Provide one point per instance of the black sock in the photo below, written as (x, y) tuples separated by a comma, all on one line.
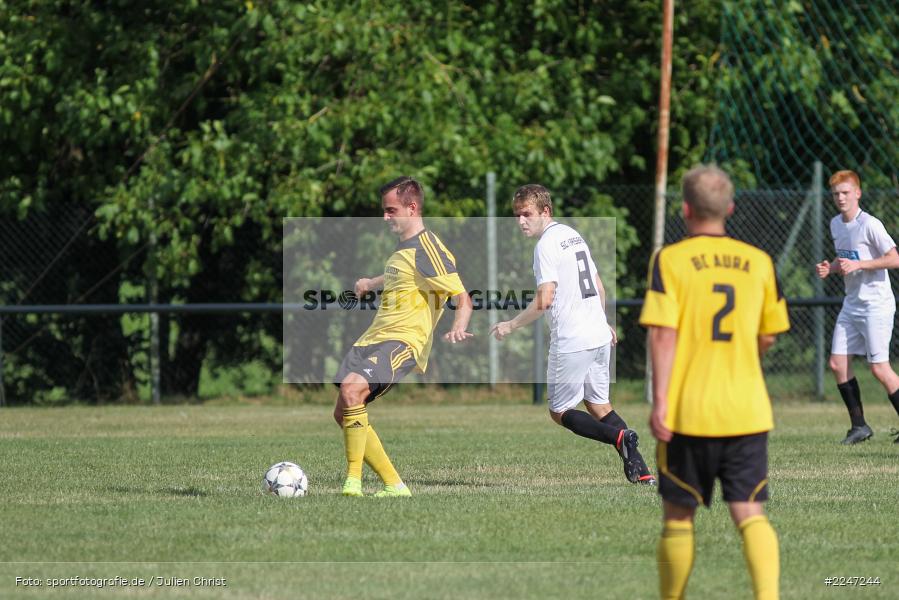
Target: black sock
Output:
[(894, 398), (614, 420), (852, 398), (583, 424)]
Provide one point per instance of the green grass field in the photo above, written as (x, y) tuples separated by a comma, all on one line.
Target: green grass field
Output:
[(506, 505)]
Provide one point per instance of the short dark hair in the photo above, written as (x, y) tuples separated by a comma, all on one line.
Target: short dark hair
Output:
[(407, 190)]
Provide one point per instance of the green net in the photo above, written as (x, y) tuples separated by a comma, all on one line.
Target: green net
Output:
[(806, 81)]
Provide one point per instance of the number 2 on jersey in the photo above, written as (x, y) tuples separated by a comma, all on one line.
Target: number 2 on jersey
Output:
[(728, 291)]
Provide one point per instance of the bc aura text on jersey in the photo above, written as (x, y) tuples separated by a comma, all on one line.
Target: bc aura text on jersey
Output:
[(720, 261)]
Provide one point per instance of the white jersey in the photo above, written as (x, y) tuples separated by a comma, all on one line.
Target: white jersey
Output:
[(576, 317), (864, 238)]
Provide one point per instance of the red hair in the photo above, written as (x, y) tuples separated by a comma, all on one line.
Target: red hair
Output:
[(845, 176)]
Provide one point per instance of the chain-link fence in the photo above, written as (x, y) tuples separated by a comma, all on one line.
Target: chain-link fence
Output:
[(323, 257), (793, 227), (57, 257)]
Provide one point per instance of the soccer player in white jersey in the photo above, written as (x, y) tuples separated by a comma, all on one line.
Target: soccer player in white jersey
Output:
[(864, 252), (570, 290)]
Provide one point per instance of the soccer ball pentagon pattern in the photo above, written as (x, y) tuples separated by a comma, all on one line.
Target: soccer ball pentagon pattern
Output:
[(285, 479)]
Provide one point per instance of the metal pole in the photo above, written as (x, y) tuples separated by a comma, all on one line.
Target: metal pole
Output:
[(492, 285), (2, 387), (796, 228), (154, 358), (658, 226), (154, 316), (817, 192), (539, 374)]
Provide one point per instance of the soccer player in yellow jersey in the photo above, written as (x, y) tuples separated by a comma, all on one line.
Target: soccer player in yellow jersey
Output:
[(419, 277), (713, 307)]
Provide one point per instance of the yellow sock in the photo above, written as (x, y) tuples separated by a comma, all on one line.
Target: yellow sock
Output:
[(762, 556), (377, 459), (675, 558), (355, 432)]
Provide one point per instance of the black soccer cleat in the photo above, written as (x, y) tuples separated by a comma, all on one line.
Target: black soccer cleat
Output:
[(857, 434), (627, 449), (645, 475)]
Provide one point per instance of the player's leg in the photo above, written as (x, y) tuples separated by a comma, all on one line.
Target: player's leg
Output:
[(744, 486), (760, 548), (583, 424), (852, 398), (401, 361), (354, 422), (376, 458), (878, 332), (598, 404), (565, 375), (675, 550), (686, 467), (366, 372), (884, 373), (847, 341), (841, 365)]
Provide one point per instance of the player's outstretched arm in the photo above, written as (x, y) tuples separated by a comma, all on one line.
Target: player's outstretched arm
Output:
[(463, 312), (546, 293)]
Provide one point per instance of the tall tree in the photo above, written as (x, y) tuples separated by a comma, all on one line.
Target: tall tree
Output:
[(202, 124)]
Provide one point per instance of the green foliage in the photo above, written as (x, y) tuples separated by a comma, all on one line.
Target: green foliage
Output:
[(806, 81), (189, 130)]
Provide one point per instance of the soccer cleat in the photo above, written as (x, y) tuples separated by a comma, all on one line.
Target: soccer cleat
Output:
[(857, 434), (895, 434), (627, 449), (352, 487), (645, 476), (394, 491)]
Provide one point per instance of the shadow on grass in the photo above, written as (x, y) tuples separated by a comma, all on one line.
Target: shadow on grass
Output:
[(188, 492), (455, 482), (417, 481)]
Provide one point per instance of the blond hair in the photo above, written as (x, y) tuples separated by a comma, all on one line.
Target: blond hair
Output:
[(709, 192), (532, 194)]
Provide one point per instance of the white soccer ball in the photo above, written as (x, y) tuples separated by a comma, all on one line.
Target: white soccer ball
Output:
[(285, 479)]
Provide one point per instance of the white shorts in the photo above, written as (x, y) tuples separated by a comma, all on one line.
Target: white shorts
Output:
[(867, 335), (575, 376)]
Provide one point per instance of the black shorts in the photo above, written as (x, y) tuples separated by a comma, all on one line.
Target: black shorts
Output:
[(688, 467), (381, 364)]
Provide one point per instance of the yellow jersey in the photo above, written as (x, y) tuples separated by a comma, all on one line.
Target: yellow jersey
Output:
[(419, 277), (720, 294)]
